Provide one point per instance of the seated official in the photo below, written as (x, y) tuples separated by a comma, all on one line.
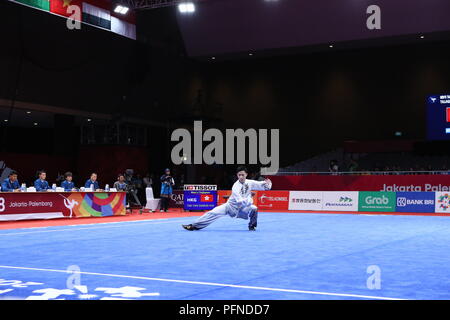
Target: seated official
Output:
[(120, 184), (11, 184), (92, 181), (41, 184), (68, 184)]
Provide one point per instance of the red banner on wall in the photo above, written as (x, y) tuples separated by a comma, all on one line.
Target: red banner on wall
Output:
[(271, 200), (394, 183)]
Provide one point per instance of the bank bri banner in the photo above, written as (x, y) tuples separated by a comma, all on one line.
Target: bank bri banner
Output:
[(421, 202)]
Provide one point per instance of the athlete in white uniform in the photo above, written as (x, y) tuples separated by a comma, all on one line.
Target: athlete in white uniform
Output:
[(239, 205)]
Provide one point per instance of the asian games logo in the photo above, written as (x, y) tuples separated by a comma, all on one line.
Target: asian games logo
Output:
[(444, 201)]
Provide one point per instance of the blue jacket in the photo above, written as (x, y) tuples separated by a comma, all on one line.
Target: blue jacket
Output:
[(8, 186), (68, 186), (41, 185), (89, 182), (166, 185)]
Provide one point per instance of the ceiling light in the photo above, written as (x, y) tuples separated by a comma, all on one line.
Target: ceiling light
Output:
[(121, 9), (186, 7)]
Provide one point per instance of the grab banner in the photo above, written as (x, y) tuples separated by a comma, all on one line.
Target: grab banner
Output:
[(415, 202), (340, 201), (305, 200), (377, 201)]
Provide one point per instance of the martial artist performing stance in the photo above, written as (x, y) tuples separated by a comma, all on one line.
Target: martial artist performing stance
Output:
[(239, 205)]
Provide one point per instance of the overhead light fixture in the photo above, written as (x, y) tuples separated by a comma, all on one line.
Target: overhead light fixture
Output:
[(6, 120), (422, 37), (331, 46), (28, 112), (35, 123), (214, 58), (121, 9), (89, 120), (186, 7)]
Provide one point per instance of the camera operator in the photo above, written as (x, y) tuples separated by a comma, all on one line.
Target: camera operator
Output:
[(167, 183)]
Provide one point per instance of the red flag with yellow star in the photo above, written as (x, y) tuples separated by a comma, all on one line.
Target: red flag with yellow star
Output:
[(62, 7)]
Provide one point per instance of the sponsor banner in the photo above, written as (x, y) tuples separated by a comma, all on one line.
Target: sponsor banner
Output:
[(200, 187), (222, 196), (340, 201), (305, 200), (271, 200), (29, 205), (176, 199), (385, 183), (442, 202), (377, 201), (200, 197), (415, 202)]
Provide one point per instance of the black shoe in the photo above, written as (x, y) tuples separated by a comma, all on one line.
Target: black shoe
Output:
[(189, 227), (252, 228)]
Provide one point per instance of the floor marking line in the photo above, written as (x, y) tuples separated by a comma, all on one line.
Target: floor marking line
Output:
[(88, 228), (208, 283)]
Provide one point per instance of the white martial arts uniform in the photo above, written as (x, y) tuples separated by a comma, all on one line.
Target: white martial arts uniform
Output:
[(239, 205)]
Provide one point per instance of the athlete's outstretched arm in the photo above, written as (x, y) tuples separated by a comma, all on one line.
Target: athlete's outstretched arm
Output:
[(261, 185)]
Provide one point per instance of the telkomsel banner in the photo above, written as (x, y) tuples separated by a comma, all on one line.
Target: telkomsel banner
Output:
[(272, 200)]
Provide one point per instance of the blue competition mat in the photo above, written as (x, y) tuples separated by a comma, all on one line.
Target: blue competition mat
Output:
[(290, 256)]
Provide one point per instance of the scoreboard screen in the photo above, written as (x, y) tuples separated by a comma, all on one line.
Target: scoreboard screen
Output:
[(438, 117), (200, 197)]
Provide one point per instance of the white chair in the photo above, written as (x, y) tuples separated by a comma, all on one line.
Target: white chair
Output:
[(152, 203)]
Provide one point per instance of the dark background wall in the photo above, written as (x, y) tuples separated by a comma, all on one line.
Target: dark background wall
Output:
[(318, 100)]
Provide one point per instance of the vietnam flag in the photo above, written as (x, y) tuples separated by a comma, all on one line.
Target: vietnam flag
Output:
[(61, 7)]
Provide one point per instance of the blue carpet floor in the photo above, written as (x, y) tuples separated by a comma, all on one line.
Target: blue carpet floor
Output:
[(290, 256)]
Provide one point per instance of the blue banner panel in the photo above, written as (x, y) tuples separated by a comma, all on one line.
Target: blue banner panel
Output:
[(200, 200), (421, 202)]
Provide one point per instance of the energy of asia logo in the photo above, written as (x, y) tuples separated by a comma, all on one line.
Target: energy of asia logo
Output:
[(444, 202)]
